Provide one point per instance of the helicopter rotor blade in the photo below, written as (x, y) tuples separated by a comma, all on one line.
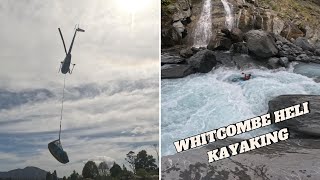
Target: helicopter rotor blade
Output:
[(64, 45)]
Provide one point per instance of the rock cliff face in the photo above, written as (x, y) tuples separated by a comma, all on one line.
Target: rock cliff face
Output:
[(288, 18)]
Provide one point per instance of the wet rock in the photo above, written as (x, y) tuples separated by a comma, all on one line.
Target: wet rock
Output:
[(167, 58), (304, 44), (186, 53), (240, 47), (224, 59), (203, 61), (220, 43), (306, 125), (236, 35), (195, 50), (170, 37), (273, 63), (261, 43), (247, 62), (226, 32), (284, 62), (317, 52), (303, 58), (180, 28), (169, 71)]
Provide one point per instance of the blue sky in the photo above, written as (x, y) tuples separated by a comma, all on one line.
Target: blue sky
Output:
[(112, 101)]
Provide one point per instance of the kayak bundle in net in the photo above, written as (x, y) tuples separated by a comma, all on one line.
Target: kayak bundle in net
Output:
[(57, 151)]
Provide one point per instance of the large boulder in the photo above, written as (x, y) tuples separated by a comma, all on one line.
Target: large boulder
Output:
[(303, 58), (168, 58), (236, 35), (261, 44), (220, 43), (304, 44), (240, 47), (224, 59), (243, 61), (170, 37), (203, 61), (284, 62), (317, 52), (273, 63), (171, 71), (226, 32), (306, 125), (186, 53)]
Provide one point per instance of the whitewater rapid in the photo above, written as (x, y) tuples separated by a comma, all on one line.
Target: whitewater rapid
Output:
[(203, 102)]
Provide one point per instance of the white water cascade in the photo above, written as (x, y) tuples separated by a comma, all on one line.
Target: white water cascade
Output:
[(228, 8), (238, 18), (203, 32), (203, 102)]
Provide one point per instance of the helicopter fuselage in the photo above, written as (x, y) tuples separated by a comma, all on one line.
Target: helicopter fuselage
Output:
[(66, 64)]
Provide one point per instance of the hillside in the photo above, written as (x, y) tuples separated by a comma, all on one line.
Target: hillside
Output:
[(28, 173), (304, 12)]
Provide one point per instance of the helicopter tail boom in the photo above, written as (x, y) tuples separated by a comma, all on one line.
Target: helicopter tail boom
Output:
[(64, 45)]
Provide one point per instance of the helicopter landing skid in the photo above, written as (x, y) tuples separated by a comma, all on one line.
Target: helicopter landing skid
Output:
[(70, 71), (60, 67)]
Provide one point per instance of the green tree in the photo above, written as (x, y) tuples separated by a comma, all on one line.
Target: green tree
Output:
[(126, 174), (90, 170), (115, 170), (54, 174), (142, 173), (131, 159), (64, 178), (103, 169), (145, 161), (49, 176), (74, 176)]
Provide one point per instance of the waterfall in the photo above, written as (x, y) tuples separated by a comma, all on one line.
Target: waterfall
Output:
[(228, 8), (238, 18), (203, 32)]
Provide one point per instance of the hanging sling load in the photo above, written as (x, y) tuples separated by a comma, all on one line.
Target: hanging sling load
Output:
[(55, 147)]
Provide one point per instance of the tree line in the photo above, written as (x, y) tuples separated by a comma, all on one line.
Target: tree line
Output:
[(141, 167)]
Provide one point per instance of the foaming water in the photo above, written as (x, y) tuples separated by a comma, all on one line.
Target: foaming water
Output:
[(203, 102), (228, 8), (203, 32)]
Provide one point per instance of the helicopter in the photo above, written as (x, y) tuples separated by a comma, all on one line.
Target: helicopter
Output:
[(55, 147), (65, 64)]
